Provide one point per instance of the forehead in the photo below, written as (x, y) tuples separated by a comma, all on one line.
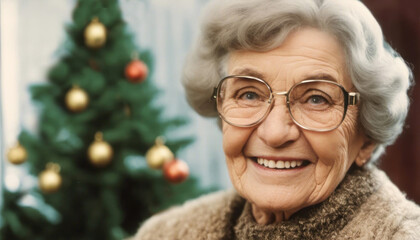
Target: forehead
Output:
[(304, 54)]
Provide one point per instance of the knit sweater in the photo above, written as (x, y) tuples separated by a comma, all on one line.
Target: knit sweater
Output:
[(366, 205)]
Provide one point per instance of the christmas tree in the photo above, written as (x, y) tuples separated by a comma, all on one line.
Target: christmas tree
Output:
[(98, 128)]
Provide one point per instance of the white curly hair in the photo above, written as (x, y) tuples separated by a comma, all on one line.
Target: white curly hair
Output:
[(377, 71)]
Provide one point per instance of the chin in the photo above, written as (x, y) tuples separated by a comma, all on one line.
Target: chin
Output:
[(278, 202), (274, 198)]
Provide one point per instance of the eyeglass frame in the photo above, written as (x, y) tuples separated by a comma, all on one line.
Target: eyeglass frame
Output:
[(350, 98)]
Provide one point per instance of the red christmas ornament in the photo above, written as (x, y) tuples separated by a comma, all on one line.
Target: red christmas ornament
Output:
[(136, 71), (176, 171)]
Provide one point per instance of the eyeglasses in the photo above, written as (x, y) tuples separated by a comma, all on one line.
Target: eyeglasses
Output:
[(316, 105)]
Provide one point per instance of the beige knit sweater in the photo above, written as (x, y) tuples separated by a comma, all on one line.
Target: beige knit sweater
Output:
[(366, 205)]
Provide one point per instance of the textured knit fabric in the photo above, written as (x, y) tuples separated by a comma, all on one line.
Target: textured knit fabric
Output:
[(366, 205)]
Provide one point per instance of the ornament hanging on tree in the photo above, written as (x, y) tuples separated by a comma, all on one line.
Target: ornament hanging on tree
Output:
[(127, 110), (50, 180), (159, 154), (100, 152), (17, 154), (136, 71), (76, 99), (176, 171), (95, 34)]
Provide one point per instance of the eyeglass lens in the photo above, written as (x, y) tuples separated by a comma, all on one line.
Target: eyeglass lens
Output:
[(317, 105)]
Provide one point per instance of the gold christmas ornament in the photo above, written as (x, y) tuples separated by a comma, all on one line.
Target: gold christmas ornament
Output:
[(159, 154), (50, 180), (100, 152), (77, 99), (17, 154), (95, 34)]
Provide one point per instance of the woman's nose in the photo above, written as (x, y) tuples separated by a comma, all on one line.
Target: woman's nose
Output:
[(278, 128)]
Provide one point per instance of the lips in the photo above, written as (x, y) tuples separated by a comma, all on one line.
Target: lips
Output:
[(280, 164)]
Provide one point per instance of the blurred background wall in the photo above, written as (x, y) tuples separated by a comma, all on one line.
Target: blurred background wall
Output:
[(33, 31), (400, 21)]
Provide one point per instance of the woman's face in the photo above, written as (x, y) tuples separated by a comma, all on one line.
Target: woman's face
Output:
[(326, 156)]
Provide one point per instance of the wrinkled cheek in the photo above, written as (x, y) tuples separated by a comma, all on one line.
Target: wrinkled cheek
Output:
[(331, 150), (332, 166), (235, 159), (234, 140), (236, 168)]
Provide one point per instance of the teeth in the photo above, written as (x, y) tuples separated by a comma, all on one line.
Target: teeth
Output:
[(279, 164)]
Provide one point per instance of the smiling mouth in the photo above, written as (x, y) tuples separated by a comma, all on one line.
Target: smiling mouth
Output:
[(278, 164)]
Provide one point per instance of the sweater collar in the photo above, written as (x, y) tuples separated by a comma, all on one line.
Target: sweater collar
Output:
[(320, 221)]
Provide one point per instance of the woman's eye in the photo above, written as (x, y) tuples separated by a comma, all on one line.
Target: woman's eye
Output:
[(249, 96), (317, 100)]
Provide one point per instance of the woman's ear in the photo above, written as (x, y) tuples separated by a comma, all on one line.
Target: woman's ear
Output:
[(365, 152)]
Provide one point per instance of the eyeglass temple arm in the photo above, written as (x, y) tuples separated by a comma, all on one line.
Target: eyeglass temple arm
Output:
[(353, 98), (214, 95)]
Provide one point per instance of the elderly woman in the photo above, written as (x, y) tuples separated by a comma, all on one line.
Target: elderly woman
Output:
[(309, 96)]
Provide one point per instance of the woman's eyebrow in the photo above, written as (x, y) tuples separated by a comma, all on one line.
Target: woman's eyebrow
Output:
[(255, 73), (249, 72), (320, 76)]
